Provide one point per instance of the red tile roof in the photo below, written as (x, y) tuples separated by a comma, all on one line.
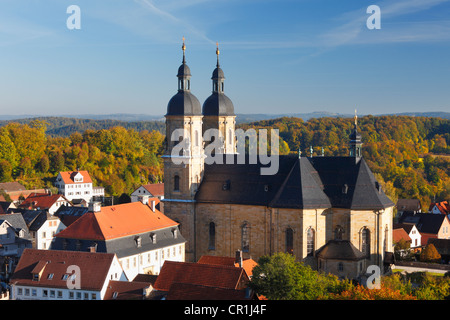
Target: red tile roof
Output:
[(117, 221), (68, 176), (156, 189), (187, 291), (124, 290), (94, 268), (398, 234), (41, 200), (443, 207), (200, 274)]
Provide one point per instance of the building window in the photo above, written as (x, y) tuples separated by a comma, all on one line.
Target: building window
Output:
[(310, 242), (290, 241), (246, 237), (212, 236), (338, 233), (340, 267), (176, 183), (365, 242)]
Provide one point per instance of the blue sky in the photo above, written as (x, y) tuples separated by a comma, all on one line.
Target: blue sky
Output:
[(279, 56)]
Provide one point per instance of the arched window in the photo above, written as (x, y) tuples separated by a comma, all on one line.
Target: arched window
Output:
[(290, 241), (176, 183), (245, 237), (365, 242), (310, 242), (338, 233), (212, 236)]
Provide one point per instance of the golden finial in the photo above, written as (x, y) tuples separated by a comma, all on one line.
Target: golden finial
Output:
[(356, 118), (217, 48), (183, 47)]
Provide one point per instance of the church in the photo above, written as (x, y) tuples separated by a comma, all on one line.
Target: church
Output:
[(329, 212)]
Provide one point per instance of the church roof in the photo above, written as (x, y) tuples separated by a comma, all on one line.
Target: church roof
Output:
[(218, 104), (319, 182), (184, 103), (340, 250)]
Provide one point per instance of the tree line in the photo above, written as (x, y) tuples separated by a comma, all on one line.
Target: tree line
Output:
[(118, 159)]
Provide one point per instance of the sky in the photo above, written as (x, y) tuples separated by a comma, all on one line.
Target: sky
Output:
[(278, 56)]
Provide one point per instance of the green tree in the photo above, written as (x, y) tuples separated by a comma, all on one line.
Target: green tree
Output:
[(281, 277)]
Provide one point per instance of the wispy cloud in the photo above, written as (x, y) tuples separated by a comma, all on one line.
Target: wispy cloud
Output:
[(180, 24), (354, 31)]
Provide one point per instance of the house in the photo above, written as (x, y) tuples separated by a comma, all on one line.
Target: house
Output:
[(44, 201), (139, 234), (42, 227), (14, 235), (153, 190), (64, 275), (17, 191), (77, 185), (408, 205), (413, 234), (203, 279), (429, 225), (7, 207), (442, 207), (14, 239)]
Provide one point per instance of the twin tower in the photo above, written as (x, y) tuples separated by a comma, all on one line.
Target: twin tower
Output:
[(185, 112)]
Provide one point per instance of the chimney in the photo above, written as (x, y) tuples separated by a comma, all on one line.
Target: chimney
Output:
[(143, 199), (152, 205), (95, 206), (239, 258)]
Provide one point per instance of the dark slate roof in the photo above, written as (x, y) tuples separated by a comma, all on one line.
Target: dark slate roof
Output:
[(35, 218), (218, 104), (320, 182), (340, 250), (184, 103), (17, 222), (425, 222), (124, 246), (350, 184)]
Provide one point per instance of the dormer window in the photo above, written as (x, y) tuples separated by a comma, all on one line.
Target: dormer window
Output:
[(138, 241), (153, 238)]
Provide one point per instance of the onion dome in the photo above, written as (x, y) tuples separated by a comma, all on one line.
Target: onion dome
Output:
[(184, 102)]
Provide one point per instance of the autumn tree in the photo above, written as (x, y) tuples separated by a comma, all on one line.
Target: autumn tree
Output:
[(430, 254)]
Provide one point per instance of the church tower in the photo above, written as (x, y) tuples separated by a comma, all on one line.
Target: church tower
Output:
[(218, 112), (183, 158), (355, 141)]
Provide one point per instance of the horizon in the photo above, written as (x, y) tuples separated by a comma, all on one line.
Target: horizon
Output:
[(295, 56)]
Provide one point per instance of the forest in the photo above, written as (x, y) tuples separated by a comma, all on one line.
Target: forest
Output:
[(409, 155)]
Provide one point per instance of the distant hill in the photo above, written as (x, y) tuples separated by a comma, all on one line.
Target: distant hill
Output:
[(66, 125), (61, 126)]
